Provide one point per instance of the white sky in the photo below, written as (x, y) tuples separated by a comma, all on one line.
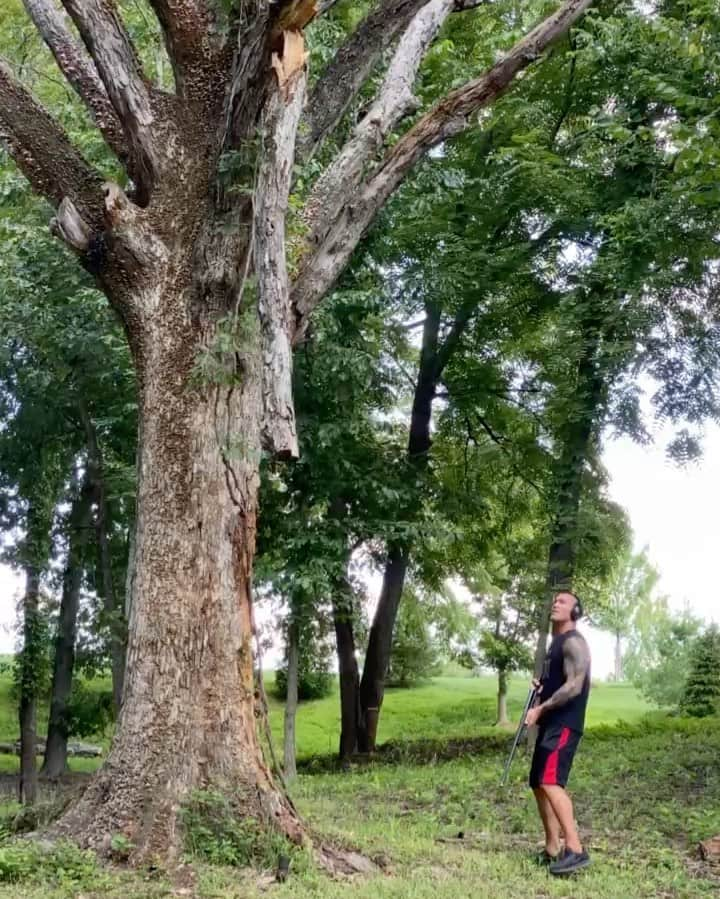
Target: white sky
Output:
[(674, 511)]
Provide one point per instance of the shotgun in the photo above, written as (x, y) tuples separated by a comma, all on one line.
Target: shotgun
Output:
[(521, 727)]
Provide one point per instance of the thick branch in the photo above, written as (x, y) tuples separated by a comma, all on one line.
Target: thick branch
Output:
[(187, 26), (449, 117), (395, 99), (350, 68), (104, 35), (78, 69), (282, 116), (42, 151)]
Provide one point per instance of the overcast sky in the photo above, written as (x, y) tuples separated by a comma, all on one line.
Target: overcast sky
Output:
[(674, 511)]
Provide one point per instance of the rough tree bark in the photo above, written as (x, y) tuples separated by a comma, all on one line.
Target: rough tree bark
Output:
[(291, 702), (80, 529), (194, 263)]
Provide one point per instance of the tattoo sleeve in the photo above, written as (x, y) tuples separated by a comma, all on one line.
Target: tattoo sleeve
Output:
[(576, 664)]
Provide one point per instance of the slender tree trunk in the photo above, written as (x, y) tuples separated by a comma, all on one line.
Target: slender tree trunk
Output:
[(55, 761), (113, 607), (291, 702), (347, 668), (377, 658), (502, 714), (575, 440), (31, 652), (618, 658)]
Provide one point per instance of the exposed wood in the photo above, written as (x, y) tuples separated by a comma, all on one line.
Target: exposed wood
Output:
[(452, 115), (273, 186), (70, 227), (79, 70), (296, 15), (43, 152), (291, 59)]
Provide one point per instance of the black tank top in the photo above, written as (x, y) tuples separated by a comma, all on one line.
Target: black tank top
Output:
[(572, 713)]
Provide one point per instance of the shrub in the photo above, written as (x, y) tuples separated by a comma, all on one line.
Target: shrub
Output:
[(89, 711), (216, 831)]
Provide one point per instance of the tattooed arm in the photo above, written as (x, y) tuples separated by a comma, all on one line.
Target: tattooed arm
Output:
[(576, 664)]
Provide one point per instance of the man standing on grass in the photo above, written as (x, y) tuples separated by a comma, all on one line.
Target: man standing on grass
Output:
[(560, 716)]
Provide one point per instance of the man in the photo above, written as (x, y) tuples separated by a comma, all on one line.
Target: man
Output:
[(560, 715)]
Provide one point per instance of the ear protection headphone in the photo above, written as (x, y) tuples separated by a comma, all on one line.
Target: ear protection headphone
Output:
[(577, 611)]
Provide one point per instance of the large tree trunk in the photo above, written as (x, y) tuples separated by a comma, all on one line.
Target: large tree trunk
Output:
[(291, 702), (502, 713), (55, 761), (187, 717), (347, 668), (377, 658)]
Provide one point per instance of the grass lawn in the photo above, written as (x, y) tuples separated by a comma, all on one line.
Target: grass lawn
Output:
[(647, 789), (447, 707)]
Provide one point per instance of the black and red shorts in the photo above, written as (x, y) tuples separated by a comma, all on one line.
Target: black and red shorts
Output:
[(552, 759)]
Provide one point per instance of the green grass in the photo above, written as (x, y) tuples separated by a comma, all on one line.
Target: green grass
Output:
[(447, 707), (646, 790)]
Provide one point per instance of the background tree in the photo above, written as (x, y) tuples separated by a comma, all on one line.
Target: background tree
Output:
[(630, 584), (658, 656), (701, 693), (65, 372)]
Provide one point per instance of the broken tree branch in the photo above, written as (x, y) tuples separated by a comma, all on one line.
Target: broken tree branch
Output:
[(350, 68), (282, 115), (43, 152), (79, 71), (117, 63), (395, 100), (452, 115)]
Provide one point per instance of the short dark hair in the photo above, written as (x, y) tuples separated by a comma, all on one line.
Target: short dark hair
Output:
[(578, 610)]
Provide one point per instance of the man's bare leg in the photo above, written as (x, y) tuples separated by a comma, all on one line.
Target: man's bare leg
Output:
[(562, 807), (553, 831)]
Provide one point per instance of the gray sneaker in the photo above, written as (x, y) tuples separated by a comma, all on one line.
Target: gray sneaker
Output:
[(570, 863)]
